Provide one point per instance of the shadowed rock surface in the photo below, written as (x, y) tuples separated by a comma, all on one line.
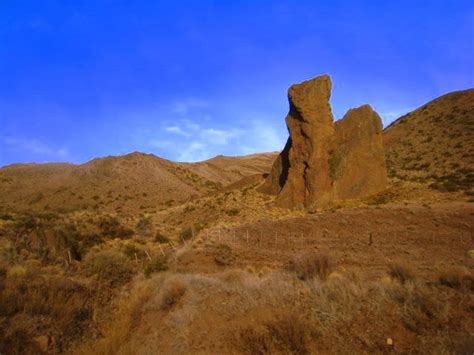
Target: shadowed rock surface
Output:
[(323, 161), (357, 161)]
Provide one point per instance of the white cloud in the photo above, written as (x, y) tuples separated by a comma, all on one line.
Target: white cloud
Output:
[(194, 151), (37, 147), (177, 130), (189, 132), (184, 106), (217, 136)]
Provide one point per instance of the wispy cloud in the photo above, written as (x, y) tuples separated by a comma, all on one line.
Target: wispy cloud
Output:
[(184, 106), (188, 131), (36, 147), (177, 130)]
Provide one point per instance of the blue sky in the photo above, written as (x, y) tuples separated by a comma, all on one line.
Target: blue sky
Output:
[(187, 80)]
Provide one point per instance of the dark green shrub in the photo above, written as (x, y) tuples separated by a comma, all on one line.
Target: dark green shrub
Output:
[(160, 238), (144, 226), (232, 212), (111, 227), (157, 264), (109, 266), (131, 250)]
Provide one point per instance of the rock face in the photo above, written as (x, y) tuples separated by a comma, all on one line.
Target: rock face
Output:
[(325, 161)]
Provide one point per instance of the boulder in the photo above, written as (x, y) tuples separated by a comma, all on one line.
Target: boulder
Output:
[(325, 161)]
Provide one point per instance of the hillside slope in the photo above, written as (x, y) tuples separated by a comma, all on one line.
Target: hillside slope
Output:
[(435, 143), (227, 170), (133, 182)]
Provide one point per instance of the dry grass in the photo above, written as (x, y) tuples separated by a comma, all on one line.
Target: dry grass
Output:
[(457, 278), (127, 317), (172, 292), (400, 272), (311, 265), (57, 304), (287, 333), (277, 313), (423, 307)]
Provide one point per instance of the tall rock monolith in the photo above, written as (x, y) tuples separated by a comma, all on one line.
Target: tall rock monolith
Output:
[(325, 161)]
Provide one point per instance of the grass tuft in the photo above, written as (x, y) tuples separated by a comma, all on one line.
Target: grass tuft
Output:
[(311, 265)]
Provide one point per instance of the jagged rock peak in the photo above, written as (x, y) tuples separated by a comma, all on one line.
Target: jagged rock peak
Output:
[(323, 161)]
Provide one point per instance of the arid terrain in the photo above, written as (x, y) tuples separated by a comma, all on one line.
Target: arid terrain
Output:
[(140, 255)]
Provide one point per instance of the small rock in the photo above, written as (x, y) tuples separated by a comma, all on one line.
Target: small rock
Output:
[(389, 341), (470, 253)]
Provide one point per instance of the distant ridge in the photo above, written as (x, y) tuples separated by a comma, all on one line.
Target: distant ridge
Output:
[(128, 183)]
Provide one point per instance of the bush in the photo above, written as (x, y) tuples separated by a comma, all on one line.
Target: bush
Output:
[(232, 212), (172, 293), (187, 233), (6, 217), (224, 255), (130, 251), (286, 334), (421, 307), (111, 227), (17, 271), (457, 279), (109, 266), (399, 272), (311, 265), (157, 264), (55, 300), (144, 226), (160, 238)]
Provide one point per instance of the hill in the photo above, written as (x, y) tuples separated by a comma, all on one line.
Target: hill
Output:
[(434, 144), (227, 170), (133, 182)]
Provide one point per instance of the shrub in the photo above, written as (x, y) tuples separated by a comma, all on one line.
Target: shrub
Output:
[(160, 238), (187, 233), (109, 266), (6, 217), (286, 334), (17, 271), (399, 272), (421, 308), (380, 199), (172, 292), (457, 279), (224, 255), (232, 212), (59, 301), (130, 250), (311, 265), (157, 264), (111, 227)]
